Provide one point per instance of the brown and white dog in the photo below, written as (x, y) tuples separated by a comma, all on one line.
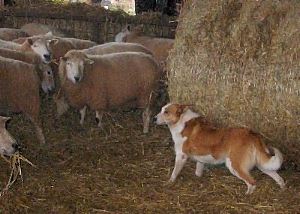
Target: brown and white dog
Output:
[(239, 148)]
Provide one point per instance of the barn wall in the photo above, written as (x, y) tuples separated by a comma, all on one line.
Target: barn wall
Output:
[(99, 28)]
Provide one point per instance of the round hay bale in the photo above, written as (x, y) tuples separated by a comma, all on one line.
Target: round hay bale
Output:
[(238, 63)]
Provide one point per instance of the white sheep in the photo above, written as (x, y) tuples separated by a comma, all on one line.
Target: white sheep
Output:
[(19, 91), (109, 81), (160, 47)]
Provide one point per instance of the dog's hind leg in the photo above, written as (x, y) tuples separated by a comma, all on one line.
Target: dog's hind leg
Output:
[(236, 169), (273, 174)]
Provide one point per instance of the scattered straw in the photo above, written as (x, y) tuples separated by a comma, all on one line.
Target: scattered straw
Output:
[(16, 170)]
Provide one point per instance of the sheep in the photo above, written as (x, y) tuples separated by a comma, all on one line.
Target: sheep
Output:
[(19, 91), (64, 45), (44, 70), (37, 29), (10, 34), (107, 48), (61, 46), (109, 81), (80, 43), (39, 46), (8, 145), (160, 47), (116, 47), (21, 40)]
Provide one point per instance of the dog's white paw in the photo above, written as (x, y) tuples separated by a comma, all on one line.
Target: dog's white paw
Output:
[(250, 190)]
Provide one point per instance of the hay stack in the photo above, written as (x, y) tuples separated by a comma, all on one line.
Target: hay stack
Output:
[(238, 62)]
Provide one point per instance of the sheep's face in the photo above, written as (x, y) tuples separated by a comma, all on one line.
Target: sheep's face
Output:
[(40, 47), (75, 66), (120, 37), (8, 144), (48, 83)]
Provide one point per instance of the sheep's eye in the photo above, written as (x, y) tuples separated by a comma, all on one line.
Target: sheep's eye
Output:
[(68, 63), (35, 46), (49, 72)]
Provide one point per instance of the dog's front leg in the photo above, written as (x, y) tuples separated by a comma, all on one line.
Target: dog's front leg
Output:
[(199, 169), (179, 163)]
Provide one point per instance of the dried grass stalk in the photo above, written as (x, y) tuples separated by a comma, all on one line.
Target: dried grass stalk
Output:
[(16, 170)]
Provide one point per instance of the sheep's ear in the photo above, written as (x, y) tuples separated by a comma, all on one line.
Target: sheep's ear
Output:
[(52, 41), (63, 59), (126, 28), (3, 120), (29, 41), (49, 34), (89, 61)]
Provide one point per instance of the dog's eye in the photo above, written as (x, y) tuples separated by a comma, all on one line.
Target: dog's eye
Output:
[(166, 112)]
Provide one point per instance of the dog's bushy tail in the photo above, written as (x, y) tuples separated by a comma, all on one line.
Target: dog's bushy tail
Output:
[(268, 158)]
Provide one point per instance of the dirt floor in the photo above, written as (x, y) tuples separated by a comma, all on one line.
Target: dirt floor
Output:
[(118, 169)]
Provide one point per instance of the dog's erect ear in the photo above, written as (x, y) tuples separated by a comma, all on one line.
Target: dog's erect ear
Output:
[(182, 108)]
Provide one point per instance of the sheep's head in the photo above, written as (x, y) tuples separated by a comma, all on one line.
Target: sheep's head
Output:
[(47, 77), (120, 37), (8, 145), (75, 61), (41, 47)]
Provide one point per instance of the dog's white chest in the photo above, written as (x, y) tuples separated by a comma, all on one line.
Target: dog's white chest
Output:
[(207, 159), (178, 142)]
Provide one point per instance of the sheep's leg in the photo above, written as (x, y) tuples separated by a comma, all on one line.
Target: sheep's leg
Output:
[(99, 116), (61, 105), (82, 114), (146, 119), (39, 133), (38, 130)]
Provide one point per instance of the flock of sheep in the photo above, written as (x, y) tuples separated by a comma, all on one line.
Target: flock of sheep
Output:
[(83, 74)]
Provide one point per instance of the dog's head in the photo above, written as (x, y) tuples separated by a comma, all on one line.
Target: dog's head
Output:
[(171, 113)]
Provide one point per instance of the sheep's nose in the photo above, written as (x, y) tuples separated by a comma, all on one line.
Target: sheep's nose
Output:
[(47, 57), (16, 146), (77, 79)]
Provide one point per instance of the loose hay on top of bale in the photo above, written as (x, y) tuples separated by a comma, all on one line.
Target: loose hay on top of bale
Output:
[(238, 62)]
